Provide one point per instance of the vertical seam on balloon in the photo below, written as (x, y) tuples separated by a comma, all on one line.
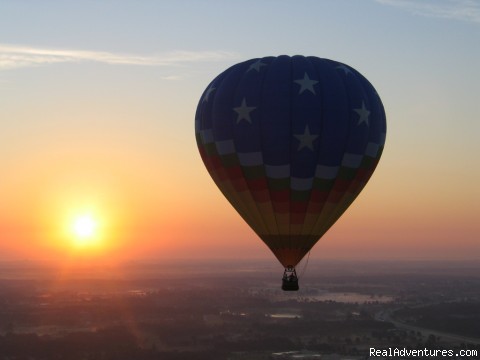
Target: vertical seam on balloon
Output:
[(262, 149), (365, 96), (262, 220), (239, 198), (344, 202), (243, 211), (290, 144), (291, 240), (300, 244), (347, 96), (283, 237), (307, 239)]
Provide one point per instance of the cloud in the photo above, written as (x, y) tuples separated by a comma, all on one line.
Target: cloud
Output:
[(465, 10), (16, 56)]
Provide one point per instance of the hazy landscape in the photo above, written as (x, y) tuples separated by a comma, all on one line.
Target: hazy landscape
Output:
[(236, 310), (128, 129)]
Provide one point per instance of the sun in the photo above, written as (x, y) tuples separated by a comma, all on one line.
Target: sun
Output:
[(84, 226), (85, 230)]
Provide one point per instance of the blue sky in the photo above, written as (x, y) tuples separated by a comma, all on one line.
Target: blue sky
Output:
[(99, 80)]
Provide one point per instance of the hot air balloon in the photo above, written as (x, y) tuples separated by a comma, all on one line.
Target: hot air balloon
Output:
[(290, 142)]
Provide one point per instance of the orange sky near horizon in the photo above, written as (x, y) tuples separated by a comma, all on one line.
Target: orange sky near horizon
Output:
[(187, 217)]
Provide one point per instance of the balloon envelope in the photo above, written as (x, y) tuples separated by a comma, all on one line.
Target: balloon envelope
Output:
[(290, 142)]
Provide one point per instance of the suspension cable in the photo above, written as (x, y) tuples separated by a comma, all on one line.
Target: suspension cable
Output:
[(305, 266)]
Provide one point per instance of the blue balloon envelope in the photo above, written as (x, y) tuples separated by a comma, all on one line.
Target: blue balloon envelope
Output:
[(290, 142)]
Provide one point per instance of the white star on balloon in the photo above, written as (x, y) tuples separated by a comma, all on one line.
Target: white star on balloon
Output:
[(207, 93), (363, 114), (306, 84), (306, 139), (256, 65), (345, 68), (244, 111)]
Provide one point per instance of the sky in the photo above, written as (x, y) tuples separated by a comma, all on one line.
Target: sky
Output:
[(97, 106)]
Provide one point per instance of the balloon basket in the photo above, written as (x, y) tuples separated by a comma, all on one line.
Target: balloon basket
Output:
[(290, 279)]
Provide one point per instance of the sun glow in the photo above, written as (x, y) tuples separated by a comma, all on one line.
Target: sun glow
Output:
[(84, 227), (85, 231)]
